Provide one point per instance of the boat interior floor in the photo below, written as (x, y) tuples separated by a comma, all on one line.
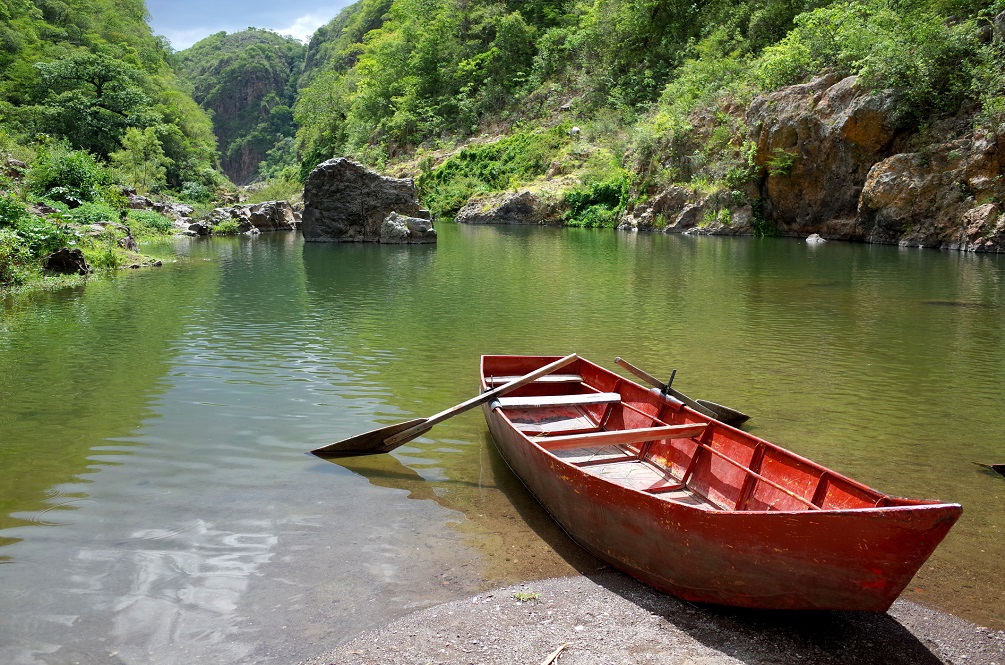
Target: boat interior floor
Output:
[(614, 464)]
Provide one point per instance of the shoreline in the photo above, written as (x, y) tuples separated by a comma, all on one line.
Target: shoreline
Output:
[(608, 618)]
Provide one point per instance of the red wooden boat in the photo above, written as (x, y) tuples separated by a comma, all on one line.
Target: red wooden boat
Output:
[(699, 509)]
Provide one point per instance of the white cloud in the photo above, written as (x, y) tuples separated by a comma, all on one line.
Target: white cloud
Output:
[(304, 27), (182, 39)]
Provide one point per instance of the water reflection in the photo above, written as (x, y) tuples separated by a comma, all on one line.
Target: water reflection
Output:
[(156, 502)]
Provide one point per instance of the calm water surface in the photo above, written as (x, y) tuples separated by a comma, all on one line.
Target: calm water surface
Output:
[(156, 504)]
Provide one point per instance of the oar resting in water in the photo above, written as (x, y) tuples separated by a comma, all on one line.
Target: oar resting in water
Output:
[(388, 438)]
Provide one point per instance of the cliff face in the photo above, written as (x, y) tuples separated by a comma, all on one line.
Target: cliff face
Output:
[(830, 159), (248, 81)]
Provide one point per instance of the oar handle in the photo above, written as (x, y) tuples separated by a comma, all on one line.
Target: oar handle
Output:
[(642, 374), (487, 396), (664, 388)]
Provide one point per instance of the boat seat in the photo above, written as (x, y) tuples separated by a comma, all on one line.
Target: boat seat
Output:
[(551, 401), (547, 378), (620, 437)]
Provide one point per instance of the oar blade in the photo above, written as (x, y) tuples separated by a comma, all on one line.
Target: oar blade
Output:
[(724, 413), (372, 442)]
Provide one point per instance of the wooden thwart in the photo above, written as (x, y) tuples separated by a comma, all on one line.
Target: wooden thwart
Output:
[(549, 401), (550, 378), (620, 437)]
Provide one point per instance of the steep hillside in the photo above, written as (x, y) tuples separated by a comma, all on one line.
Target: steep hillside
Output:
[(87, 71), (248, 81)]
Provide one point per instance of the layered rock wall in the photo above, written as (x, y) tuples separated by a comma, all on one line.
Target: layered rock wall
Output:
[(830, 159)]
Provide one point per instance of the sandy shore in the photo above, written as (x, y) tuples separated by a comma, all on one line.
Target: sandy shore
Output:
[(610, 619)]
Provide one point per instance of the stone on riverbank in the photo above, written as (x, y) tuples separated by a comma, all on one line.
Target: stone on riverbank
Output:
[(399, 229), (67, 262), (347, 202), (610, 618)]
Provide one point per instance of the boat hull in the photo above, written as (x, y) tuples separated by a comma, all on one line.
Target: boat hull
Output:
[(858, 559)]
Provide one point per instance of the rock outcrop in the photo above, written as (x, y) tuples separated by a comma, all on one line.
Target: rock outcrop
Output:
[(523, 207), (686, 210), (828, 158), (251, 218), (941, 197), (347, 202), (815, 145)]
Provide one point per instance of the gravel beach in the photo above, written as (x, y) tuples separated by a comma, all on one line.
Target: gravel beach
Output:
[(610, 619)]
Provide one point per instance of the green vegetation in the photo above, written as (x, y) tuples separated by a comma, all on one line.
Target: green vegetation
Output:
[(89, 103), (515, 159), (664, 83), (610, 100)]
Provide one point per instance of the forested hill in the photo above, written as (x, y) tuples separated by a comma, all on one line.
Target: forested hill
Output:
[(249, 81), (877, 120), (86, 71)]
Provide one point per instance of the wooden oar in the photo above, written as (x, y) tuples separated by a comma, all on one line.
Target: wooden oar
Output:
[(704, 407), (997, 468), (388, 438)]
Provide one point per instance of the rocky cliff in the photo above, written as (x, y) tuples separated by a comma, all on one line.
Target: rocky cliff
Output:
[(248, 81), (829, 157)]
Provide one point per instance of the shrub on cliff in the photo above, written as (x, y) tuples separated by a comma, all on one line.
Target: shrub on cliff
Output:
[(488, 167), (916, 52)]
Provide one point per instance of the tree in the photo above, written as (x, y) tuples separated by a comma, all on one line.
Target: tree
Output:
[(92, 99), (142, 159)]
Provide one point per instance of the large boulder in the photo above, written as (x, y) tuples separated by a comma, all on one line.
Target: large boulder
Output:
[(347, 202), (522, 207), (399, 229)]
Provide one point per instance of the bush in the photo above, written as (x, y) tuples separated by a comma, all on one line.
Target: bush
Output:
[(69, 176), (286, 188), (519, 157), (195, 192), (148, 222), (599, 204), (16, 263), (92, 213), (227, 227), (12, 211), (913, 51), (42, 236), (104, 252)]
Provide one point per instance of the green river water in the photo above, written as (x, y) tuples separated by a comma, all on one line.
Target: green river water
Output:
[(156, 504)]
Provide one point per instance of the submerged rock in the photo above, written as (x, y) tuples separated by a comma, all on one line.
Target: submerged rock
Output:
[(347, 202)]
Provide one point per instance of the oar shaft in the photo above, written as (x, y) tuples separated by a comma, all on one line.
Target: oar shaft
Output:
[(487, 396), (645, 376)]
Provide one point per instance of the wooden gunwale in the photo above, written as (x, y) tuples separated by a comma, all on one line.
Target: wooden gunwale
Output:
[(857, 553), (826, 475)]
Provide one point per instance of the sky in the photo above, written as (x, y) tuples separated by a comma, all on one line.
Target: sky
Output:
[(184, 22)]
